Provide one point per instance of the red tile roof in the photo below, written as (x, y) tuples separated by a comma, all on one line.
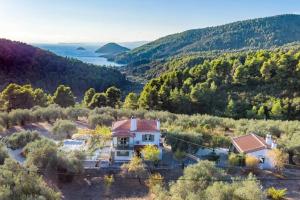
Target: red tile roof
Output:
[(143, 125), (249, 143)]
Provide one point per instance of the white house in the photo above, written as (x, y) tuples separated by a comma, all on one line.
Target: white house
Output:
[(130, 136), (256, 146)]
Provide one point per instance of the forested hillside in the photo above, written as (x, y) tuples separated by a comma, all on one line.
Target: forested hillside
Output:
[(24, 64), (256, 33), (111, 49), (255, 84)]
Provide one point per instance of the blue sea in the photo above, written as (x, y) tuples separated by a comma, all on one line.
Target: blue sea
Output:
[(70, 50)]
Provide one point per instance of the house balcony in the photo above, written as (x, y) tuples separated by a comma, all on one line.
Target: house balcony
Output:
[(122, 147)]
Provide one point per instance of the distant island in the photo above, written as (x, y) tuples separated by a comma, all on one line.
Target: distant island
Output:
[(80, 49), (111, 49)]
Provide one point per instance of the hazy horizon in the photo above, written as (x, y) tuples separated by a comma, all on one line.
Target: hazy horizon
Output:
[(99, 21)]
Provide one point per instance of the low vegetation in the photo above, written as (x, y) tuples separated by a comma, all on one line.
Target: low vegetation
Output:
[(64, 129), (3, 153), (13, 186), (204, 181), (204, 130), (276, 194), (20, 139)]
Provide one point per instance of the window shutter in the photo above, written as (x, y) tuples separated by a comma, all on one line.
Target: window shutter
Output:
[(143, 137), (152, 138)]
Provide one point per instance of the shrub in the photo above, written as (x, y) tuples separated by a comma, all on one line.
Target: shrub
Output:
[(236, 159), (103, 119), (154, 180), (49, 114), (20, 117), (4, 120), (74, 113), (135, 167), (20, 139), (279, 158), (251, 162), (180, 141), (69, 165), (19, 183), (276, 194), (3, 153), (108, 180), (179, 155), (151, 153), (41, 154), (63, 129)]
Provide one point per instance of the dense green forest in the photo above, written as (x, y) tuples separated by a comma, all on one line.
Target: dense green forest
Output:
[(255, 84), (24, 64), (255, 33)]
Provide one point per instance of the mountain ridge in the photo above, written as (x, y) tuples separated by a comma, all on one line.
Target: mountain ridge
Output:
[(252, 33)]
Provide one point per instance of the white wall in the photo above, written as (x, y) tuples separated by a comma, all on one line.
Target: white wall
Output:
[(138, 138), (133, 141), (268, 164)]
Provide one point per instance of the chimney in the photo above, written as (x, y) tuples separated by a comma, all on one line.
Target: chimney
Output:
[(133, 124), (157, 124), (269, 139)]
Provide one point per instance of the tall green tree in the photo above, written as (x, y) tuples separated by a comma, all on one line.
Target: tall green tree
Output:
[(40, 97), (88, 96), (63, 96), (113, 96), (131, 101), (277, 110), (15, 96), (98, 100)]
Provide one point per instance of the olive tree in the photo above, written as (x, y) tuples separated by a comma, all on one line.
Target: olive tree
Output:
[(63, 129)]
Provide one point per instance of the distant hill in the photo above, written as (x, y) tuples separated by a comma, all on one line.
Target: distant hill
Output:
[(21, 63), (80, 49), (111, 49), (249, 34)]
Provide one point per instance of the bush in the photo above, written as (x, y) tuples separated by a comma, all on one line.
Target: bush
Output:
[(251, 162), (74, 113), (276, 194), (180, 141), (69, 165), (20, 117), (103, 119), (63, 129), (41, 154), (49, 114), (151, 153), (4, 120), (20, 139), (279, 158), (3, 153), (1, 128), (154, 180), (236, 159), (17, 183)]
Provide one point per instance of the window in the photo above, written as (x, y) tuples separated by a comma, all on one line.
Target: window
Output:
[(123, 153), (123, 141), (148, 138), (261, 159)]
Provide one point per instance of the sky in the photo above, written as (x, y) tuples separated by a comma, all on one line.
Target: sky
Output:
[(84, 21)]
